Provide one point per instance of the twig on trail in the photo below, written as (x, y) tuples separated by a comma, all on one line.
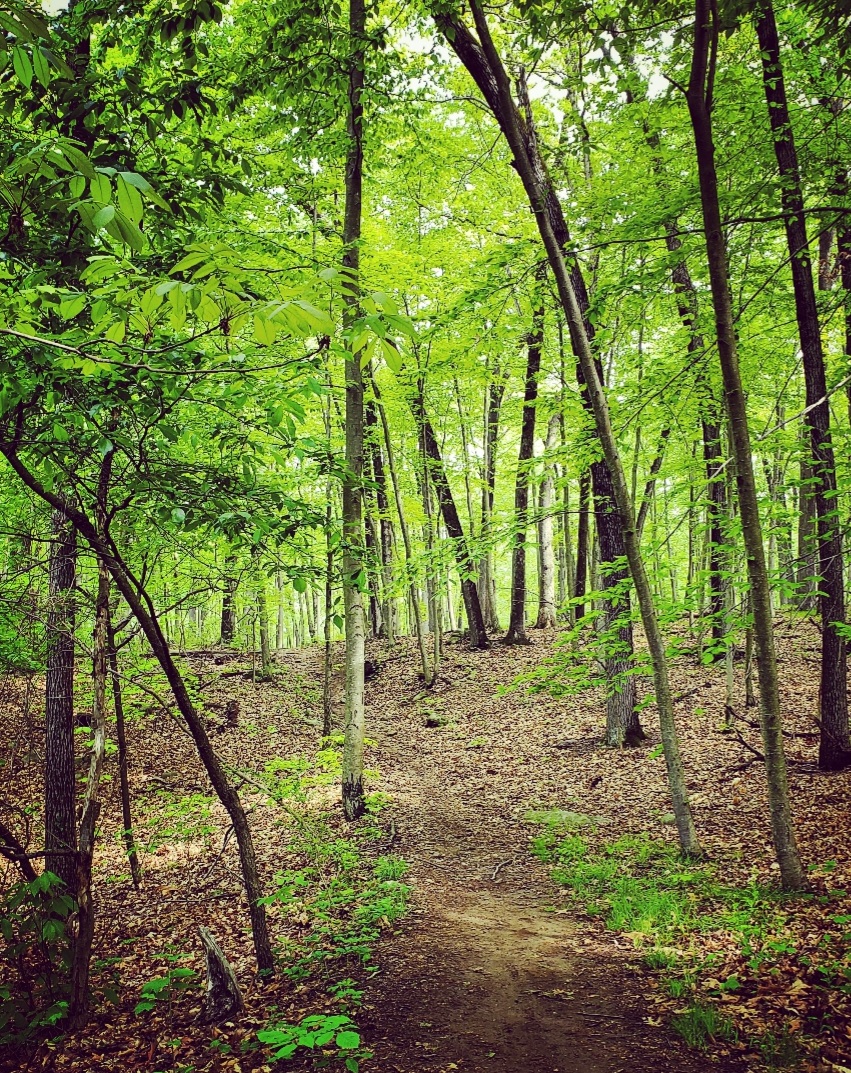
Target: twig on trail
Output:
[(501, 865), (393, 833)]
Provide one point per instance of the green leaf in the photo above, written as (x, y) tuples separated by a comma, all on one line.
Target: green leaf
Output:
[(40, 66), (72, 306), (77, 159), (299, 584), (103, 216), (60, 433), (265, 331), (100, 188), (178, 515), (348, 1040), (129, 200), (23, 66)]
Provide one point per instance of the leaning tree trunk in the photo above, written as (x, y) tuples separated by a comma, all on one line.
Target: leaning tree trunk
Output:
[(547, 575), (60, 787), (81, 948), (582, 543), (487, 583), (516, 634), (141, 605), (699, 98), (834, 740), (484, 63), (428, 674), (123, 760), (454, 529), (353, 795)]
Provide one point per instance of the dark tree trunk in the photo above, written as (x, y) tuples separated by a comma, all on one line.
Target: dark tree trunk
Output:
[(834, 742), (454, 529), (487, 585), (699, 98), (123, 763), (228, 629), (60, 787), (517, 619), (582, 532)]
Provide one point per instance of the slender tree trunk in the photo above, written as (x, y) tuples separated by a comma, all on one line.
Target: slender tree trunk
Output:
[(547, 580), (387, 628), (78, 1004), (485, 65), (534, 342), (428, 674), (582, 542), (454, 529), (141, 605), (60, 786), (353, 795), (123, 763), (263, 623), (699, 98), (487, 582), (228, 630), (834, 743)]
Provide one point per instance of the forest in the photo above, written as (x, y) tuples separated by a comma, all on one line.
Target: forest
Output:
[(425, 468)]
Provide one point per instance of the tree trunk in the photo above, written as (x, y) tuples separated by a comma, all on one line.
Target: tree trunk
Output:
[(223, 999), (84, 931), (353, 565), (263, 623), (582, 542), (387, 626), (516, 634), (228, 630), (487, 582), (547, 576), (699, 103), (123, 764), (834, 742), (454, 529), (60, 786), (141, 605), (485, 65), (428, 675)]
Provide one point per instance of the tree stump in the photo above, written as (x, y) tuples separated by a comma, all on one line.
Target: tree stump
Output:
[(223, 998)]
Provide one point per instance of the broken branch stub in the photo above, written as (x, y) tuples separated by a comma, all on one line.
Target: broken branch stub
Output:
[(223, 998)]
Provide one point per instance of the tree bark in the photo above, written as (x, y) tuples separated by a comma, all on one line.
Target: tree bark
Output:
[(516, 634), (454, 529), (487, 582), (141, 605), (60, 785), (428, 675), (546, 619), (353, 565), (582, 542), (485, 65), (228, 627), (699, 99), (123, 763), (834, 740)]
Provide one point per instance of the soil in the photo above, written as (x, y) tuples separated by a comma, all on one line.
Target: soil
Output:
[(491, 976), (491, 970)]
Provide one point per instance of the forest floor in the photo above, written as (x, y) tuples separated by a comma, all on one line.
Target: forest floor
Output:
[(495, 967)]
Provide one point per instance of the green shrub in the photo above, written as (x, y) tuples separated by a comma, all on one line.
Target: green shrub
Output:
[(35, 958)]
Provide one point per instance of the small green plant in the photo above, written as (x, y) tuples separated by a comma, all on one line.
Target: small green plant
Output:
[(34, 957), (333, 1033), (162, 990), (700, 1024)]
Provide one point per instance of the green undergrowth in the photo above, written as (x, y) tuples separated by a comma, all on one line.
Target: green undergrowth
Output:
[(714, 947)]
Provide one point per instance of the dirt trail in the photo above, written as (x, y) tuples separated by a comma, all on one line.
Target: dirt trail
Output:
[(486, 975)]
